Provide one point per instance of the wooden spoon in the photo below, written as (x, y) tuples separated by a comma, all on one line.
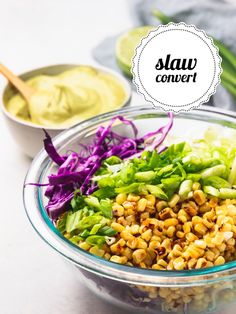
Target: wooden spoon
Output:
[(19, 84)]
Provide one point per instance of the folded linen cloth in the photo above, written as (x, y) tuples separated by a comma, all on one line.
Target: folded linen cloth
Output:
[(216, 17)]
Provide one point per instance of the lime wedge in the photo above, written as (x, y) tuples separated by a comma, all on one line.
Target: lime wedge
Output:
[(125, 47)]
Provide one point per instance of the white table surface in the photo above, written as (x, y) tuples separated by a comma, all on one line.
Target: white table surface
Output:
[(33, 278)]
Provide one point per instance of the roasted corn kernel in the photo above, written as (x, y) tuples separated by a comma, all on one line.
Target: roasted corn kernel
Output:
[(139, 255), (121, 198), (119, 259), (194, 233)]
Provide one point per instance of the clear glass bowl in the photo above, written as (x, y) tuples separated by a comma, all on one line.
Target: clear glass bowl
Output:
[(146, 291)]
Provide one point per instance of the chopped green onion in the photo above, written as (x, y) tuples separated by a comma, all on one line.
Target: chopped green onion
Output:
[(227, 193), (77, 201), (92, 201), (95, 229), (113, 160), (218, 170), (88, 222), (106, 182), (171, 183), (165, 170), (105, 192), (72, 220), (195, 177), (157, 191), (96, 240), (106, 208), (127, 173), (133, 187), (76, 239), (211, 191), (61, 223), (84, 234), (145, 176), (185, 188), (154, 160), (107, 231), (216, 182)]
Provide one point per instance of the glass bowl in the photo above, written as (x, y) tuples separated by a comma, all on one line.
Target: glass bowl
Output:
[(146, 291)]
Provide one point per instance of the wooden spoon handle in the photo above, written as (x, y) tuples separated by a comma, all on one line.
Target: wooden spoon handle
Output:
[(22, 87)]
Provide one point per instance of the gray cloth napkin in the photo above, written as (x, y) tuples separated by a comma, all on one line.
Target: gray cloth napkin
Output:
[(216, 17)]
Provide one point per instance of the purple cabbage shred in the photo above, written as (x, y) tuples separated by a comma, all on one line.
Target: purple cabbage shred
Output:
[(76, 169)]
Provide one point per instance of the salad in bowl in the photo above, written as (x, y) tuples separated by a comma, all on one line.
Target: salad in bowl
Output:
[(152, 204)]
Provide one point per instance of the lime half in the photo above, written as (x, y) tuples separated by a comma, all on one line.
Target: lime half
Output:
[(125, 47)]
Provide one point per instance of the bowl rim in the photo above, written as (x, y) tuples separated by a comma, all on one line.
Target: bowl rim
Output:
[(44, 227), (123, 80)]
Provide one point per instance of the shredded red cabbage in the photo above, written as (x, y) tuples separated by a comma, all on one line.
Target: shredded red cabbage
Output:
[(50, 149), (156, 142), (76, 169)]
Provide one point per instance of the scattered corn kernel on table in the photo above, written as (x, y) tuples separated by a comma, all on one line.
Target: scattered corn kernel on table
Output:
[(34, 279)]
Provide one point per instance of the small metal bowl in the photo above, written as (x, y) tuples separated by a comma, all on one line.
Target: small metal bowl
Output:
[(28, 135)]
